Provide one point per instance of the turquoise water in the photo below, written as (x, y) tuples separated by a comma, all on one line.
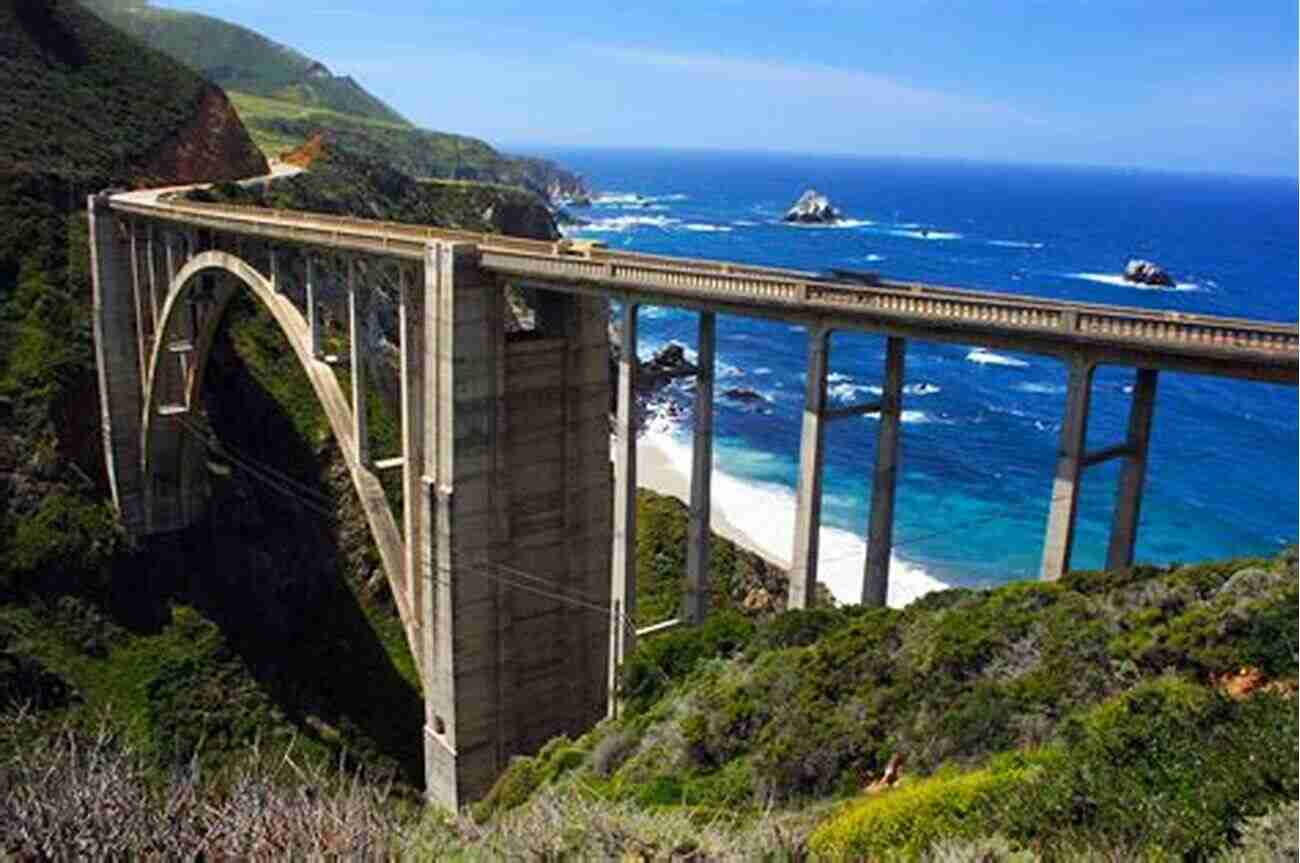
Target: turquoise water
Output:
[(980, 432)]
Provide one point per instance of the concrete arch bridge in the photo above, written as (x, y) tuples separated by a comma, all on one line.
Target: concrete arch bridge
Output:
[(512, 557)]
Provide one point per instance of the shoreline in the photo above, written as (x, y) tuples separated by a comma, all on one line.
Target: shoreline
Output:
[(747, 513), (656, 472)]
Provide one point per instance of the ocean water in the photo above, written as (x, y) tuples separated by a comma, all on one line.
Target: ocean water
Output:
[(980, 427)]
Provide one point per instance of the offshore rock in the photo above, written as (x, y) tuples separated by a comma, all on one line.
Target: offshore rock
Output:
[(812, 208), (1143, 272), (743, 394), (668, 362)]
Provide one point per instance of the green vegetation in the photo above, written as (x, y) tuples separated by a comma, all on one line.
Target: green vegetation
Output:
[(82, 100), (237, 58), (342, 182), (1081, 716)]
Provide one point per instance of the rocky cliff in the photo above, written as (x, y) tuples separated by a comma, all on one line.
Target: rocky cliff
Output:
[(211, 145)]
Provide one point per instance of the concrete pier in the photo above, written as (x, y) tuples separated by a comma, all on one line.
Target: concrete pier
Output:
[(695, 603), (1132, 477), (1059, 541), (880, 531), (623, 563), (117, 361), (808, 506), (412, 372)]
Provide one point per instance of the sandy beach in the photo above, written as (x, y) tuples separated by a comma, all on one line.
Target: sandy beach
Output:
[(760, 518), (656, 471)]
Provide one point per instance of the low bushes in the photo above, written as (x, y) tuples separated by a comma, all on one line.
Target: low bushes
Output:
[(1171, 769), (903, 823)]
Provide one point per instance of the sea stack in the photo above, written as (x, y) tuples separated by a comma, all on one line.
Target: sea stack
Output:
[(812, 208), (1143, 272)]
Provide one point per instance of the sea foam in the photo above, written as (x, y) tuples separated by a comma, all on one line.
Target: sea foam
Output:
[(1118, 280), (928, 235), (619, 224), (986, 357)]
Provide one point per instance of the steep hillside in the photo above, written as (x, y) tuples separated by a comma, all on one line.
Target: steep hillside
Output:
[(237, 58), (82, 100), (284, 98)]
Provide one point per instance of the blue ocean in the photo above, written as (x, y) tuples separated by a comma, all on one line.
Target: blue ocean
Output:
[(980, 427)]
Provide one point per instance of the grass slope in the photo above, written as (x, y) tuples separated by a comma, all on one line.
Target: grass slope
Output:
[(278, 125), (237, 58)]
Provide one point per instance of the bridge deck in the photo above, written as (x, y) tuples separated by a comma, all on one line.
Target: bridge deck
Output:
[(1167, 340)]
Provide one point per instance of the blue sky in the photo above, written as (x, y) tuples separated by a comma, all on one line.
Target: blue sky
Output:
[(1199, 86)]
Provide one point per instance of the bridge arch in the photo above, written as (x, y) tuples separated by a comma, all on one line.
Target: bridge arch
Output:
[(166, 447)]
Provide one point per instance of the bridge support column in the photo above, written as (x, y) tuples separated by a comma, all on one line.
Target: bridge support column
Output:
[(137, 289), (880, 533), (1059, 541), (412, 350), (117, 360), (808, 507), (696, 602), (1132, 478), (623, 561), (313, 313), (358, 341), (173, 265), (462, 661), (151, 258)]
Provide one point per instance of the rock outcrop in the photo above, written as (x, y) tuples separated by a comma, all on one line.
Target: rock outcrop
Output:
[(667, 363), (212, 145), (1143, 272), (812, 208)]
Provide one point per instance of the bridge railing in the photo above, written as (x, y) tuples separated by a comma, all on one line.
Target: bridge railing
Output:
[(703, 280)]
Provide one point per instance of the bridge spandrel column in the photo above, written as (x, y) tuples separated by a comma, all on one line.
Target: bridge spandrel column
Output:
[(808, 506), (623, 562), (412, 382), (118, 364), (1059, 541), (884, 484), (358, 343), (462, 662), (1132, 477)]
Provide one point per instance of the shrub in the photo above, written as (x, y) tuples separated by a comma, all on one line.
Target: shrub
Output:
[(905, 822), (1168, 765), (659, 662), (1273, 836)]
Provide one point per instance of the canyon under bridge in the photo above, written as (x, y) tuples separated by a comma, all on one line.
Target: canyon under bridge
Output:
[(512, 555)]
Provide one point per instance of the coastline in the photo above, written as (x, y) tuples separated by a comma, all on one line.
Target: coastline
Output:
[(760, 519)]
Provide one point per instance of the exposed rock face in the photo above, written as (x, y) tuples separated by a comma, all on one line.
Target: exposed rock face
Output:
[(812, 208), (516, 218), (213, 145), (1146, 273)]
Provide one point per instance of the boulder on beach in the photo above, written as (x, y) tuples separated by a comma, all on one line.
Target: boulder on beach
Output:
[(812, 208), (1143, 272)]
